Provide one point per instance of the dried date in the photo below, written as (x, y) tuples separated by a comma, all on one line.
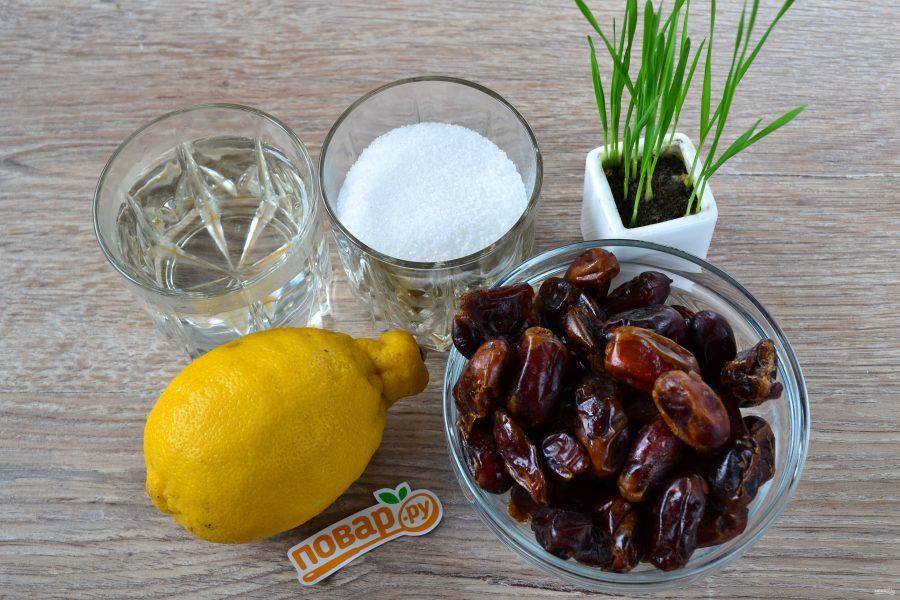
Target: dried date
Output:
[(484, 381), (639, 408), (520, 456), (484, 462), (564, 456), (735, 418), (654, 454), (711, 340), (734, 477), (625, 544), (562, 533), (750, 377), (685, 312), (521, 505), (601, 425), (585, 338), (692, 410), (638, 356), (609, 509), (597, 551), (537, 391), (658, 318), (720, 526), (593, 271), (760, 430), (554, 299), (648, 288), (676, 518), (465, 335), (503, 312)]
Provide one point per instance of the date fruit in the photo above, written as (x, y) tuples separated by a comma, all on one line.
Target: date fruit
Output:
[(484, 381), (654, 454), (554, 299), (562, 533), (536, 393), (676, 518), (648, 288), (564, 456), (751, 376), (465, 335), (692, 410), (503, 312), (593, 271), (597, 552), (735, 418), (625, 543), (685, 312), (483, 460), (640, 409), (520, 456), (659, 318), (638, 356), (711, 340), (601, 425), (521, 505), (584, 336), (720, 526), (762, 433), (734, 477), (609, 509)]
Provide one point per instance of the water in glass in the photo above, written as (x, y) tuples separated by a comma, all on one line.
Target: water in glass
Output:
[(226, 225)]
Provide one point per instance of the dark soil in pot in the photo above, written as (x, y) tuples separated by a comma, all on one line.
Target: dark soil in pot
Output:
[(670, 196)]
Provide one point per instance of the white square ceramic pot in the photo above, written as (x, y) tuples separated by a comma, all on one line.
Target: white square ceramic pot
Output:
[(600, 218)]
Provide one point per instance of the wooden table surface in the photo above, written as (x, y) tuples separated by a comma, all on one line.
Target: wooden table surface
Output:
[(809, 222)]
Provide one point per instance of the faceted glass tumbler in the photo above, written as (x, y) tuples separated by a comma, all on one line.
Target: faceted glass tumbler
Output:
[(211, 214), (422, 297)]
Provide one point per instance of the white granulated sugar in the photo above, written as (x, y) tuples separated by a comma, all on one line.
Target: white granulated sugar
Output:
[(431, 191)]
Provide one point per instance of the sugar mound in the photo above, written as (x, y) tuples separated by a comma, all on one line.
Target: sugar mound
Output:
[(430, 192)]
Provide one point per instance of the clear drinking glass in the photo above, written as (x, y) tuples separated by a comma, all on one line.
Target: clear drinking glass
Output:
[(697, 285), (211, 213), (421, 297)]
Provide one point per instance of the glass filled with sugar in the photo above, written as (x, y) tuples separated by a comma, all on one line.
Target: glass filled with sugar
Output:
[(432, 185)]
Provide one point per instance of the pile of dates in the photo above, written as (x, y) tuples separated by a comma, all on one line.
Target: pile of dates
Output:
[(613, 419)]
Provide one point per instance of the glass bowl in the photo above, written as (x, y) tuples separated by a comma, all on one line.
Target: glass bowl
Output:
[(698, 285), (421, 297)]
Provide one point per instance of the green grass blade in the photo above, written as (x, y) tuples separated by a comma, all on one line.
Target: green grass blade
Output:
[(778, 123), (738, 41), (677, 89), (728, 90), (612, 51), (742, 144), (685, 87), (736, 146), (598, 93), (676, 9), (751, 24), (648, 113), (746, 64), (707, 79)]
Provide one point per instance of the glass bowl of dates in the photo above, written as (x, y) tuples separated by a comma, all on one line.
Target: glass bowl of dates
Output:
[(623, 415)]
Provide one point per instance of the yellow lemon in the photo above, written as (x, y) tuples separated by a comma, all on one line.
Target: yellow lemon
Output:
[(261, 434)]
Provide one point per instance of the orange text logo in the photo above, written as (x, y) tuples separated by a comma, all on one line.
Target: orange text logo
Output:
[(399, 512)]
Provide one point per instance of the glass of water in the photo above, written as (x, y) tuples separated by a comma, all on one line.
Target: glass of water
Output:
[(211, 213)]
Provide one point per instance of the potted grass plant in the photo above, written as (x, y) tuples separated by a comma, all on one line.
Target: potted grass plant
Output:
[(647, 181)]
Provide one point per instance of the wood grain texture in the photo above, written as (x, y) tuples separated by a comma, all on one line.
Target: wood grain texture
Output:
[(809, 222)]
